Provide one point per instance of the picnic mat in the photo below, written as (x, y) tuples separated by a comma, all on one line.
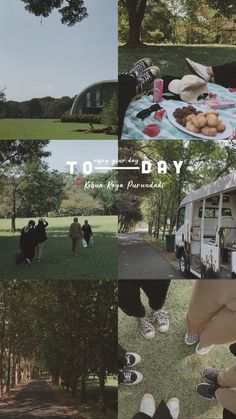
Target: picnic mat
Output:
[(133, 126)]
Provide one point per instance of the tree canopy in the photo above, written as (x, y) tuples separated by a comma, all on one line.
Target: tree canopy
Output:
[(71, 11)]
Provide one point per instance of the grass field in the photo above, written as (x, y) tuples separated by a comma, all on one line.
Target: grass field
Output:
[(170, 368), (91, 409), (45, 129), (99, 262), (170, 58)]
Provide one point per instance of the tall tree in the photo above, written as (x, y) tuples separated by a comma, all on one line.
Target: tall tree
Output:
[(136, 10)]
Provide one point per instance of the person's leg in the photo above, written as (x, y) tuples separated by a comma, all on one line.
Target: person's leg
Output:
[(220, 330), (227, 378), (206, 300), (225, 74), (228, 415), (73, 244), (126, 92), (141, 415), (156, 292), (129, 298), (162, 411), (227, 398), (40, 250)]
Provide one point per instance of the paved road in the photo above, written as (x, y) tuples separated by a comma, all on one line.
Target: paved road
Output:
[(35, 400), (139, 260)]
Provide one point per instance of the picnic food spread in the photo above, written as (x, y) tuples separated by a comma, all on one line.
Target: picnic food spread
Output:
[(206, 123)]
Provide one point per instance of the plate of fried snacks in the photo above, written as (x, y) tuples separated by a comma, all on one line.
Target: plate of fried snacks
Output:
[(202, 122)]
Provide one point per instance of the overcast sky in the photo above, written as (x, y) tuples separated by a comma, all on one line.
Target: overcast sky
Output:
[(52, 59), (80, 151)]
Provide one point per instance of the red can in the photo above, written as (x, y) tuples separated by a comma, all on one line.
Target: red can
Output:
[(158, 90)]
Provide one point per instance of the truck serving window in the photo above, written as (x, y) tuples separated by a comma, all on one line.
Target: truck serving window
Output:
[(213, 212), (181, 217)]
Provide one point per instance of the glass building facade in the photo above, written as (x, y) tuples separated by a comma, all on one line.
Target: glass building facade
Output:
[(93, 98)]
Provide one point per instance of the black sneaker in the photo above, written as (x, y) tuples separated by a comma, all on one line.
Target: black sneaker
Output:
[(132, 359), (210, 375), (139, 67), (207, 391), (130, 377), (147, 77)]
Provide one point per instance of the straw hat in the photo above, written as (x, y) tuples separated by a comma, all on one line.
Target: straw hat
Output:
[(189, 88)]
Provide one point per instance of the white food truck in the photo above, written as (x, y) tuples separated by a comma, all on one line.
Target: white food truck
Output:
[(205, 242)]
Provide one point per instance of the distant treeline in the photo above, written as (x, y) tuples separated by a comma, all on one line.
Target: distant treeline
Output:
[(46, 107)]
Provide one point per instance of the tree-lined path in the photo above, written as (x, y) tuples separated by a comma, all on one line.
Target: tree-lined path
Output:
[(36, 399)]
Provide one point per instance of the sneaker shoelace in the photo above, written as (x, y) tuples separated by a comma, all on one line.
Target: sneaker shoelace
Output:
[(128, 360), (127, 377), (146, 78), (192, 338), (145, 324), (161, 317), (139, 68)]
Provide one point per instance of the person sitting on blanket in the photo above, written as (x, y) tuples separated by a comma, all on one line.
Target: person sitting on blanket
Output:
[(143, 73)]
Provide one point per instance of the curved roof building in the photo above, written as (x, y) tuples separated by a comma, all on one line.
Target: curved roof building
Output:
[(92, 99)]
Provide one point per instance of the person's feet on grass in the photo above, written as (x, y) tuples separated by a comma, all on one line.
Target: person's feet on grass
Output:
[(139, 67), (129, 378), (210, 375), (132, 359), (207, 391), (147, 77), (191, 338), (174, 407), (198, 69), (146, 327), (203, 351), (148, 405), (160, 318)]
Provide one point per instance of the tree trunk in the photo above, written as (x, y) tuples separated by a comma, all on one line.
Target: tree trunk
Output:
[(136, 11), (83, 393), (13, 217), (9, 369), (102, 378)]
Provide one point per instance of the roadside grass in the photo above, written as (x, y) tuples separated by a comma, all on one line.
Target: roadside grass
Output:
[(170, 368), (170, 58), (98, 262), (91, 409), (46, 129)]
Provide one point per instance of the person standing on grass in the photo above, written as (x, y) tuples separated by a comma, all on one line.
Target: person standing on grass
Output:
[(76, 234), (131, 304), (28, 242), (41, 237), (87, 231)]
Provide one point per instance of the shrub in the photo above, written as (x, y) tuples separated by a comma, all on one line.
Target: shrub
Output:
[(85, 118)]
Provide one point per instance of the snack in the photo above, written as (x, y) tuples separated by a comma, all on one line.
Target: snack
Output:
[(205, 123)]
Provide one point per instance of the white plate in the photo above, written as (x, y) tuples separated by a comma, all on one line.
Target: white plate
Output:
[(220, 136)]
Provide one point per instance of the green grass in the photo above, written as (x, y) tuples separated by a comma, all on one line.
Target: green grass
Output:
[(170, 58), (91, 409), (99, 262), (170, 368), (45, 129)]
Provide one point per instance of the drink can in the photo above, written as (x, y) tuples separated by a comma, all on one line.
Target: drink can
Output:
[(157, 90)]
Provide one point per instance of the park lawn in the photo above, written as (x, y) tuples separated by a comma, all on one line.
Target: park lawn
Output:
[(98, 262), (91, 409), (170, 367), (46, 129), (170, 58)]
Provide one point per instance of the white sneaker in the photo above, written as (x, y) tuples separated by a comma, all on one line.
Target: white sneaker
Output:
[(198, 69), (203, 351), (160, 317), (130, 378), (148, 405), (174, 407), (191, 339), (146, 327), (132, 359)]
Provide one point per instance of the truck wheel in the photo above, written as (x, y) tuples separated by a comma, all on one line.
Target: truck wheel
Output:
[(183, 265)]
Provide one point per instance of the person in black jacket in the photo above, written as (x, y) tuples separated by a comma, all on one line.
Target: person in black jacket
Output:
[(41, 238), (87, 232), (28, 242)]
